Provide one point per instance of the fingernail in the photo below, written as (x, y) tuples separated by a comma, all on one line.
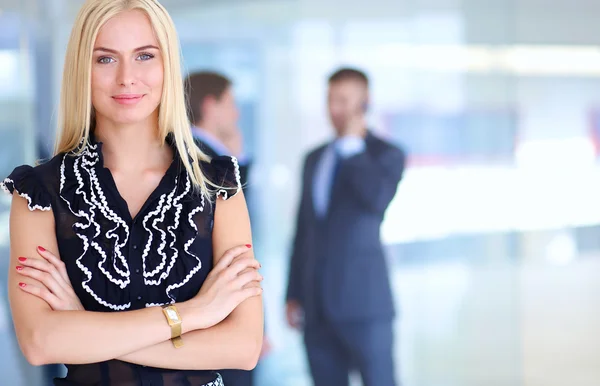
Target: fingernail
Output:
[(22, 285), (249, 245), (42, 249), (19, 268), (22, 258)]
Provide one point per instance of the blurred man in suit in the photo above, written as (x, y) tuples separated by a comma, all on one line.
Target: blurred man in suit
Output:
[(338, 289), (214, 115)]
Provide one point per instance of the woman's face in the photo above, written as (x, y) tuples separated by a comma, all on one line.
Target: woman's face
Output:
[(127, 70)]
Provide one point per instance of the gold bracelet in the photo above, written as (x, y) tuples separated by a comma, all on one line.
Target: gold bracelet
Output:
[(174, 320)]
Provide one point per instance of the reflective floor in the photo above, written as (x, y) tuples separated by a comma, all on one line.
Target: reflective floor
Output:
[(530, 324), (511, 322)]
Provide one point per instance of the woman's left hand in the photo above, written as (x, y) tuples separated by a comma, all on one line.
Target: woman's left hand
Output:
[(57, 290)]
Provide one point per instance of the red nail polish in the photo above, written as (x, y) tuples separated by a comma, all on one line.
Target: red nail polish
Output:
[(19, 268), (42, 249), (249, 245), (22, 285), (22, 258)]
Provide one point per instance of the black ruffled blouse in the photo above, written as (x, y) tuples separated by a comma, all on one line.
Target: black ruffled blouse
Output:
[(118, 263)]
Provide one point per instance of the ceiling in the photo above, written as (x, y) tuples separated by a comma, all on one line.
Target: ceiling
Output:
[(340, 5), (485, 21)]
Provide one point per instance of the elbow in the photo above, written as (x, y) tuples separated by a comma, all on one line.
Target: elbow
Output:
[(251, 353), (36, 344), (34, 357), (377, 207), (33, 349), (382, 201)]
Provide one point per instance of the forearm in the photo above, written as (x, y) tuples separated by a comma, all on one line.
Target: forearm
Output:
[(232, 344), (78, 337)]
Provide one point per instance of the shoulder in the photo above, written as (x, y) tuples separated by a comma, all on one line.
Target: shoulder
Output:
[(38, 184), (223, 175), (205, 148), (35, 183), (316, 152), (41, 168), (51, 167)]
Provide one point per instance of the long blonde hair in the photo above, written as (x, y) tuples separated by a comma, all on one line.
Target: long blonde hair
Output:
[(76, 114)]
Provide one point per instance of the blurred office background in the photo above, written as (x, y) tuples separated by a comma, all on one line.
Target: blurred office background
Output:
[(493, 237)]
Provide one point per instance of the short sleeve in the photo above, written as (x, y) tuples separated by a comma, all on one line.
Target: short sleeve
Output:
[(226, 175), (25, 181)]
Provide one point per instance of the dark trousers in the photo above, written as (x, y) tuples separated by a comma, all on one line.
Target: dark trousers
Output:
[(334, 349), (237, 377)]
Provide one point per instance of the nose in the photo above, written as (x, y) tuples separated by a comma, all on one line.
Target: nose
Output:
[(126, 74)]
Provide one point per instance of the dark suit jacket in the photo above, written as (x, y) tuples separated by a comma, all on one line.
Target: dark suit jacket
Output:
[(338, 264), (209, 151)]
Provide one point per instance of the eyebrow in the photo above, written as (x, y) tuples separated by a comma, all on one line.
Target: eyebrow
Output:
[(148, 47)]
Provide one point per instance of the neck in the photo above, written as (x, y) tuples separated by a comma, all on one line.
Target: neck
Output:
[(362, 133), (132, 147)]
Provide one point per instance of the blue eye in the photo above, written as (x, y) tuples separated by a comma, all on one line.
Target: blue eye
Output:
[(105, 60), (144, 57)]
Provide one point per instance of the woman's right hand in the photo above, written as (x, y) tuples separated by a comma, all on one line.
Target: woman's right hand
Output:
[(233, 279)]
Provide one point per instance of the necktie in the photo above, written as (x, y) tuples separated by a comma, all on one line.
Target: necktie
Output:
[(337, 162)]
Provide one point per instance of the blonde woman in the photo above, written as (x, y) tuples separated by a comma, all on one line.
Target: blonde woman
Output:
[(131, 259)]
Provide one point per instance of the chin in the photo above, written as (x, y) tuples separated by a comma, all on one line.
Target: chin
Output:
[(127, 119), (128, 116), (337, 126)]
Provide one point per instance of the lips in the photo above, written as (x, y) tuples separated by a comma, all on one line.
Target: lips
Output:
[(128, 99)]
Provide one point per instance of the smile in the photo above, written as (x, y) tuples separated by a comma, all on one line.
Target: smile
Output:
[(128, 99)]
